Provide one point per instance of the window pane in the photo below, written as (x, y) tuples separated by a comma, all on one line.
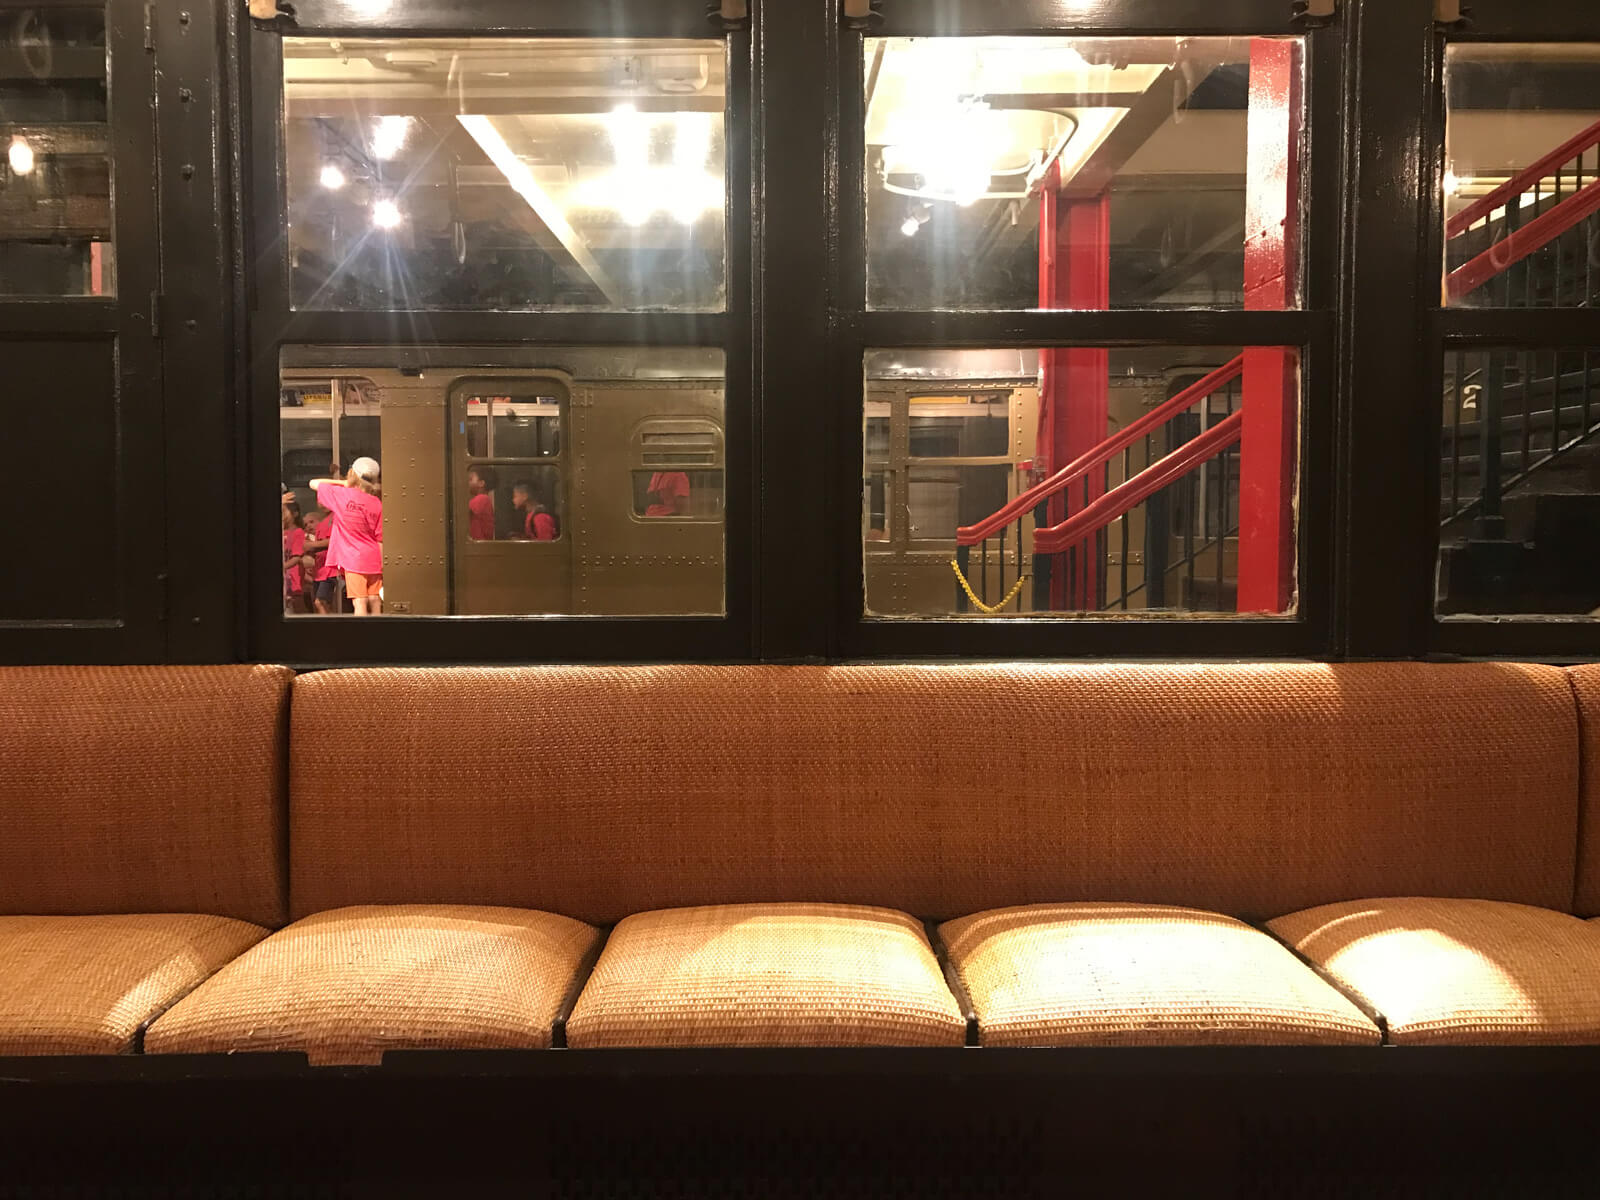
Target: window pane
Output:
[(1083, 173), (1520, 485), (1073, 481), (498, 173), (1522, 175), (601, 494), (55, 182)]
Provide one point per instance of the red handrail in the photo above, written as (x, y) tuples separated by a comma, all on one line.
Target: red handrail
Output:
[(971, 535), (1141, 487), (1533, 236), (1524, 179)]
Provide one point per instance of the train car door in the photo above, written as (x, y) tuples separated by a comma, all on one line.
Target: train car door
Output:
[(509, 467)]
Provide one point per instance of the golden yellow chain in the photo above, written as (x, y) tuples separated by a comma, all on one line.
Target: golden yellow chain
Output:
[(971, 595)]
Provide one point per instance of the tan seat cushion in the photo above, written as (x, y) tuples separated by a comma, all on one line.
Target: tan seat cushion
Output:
[(1459, 972), (1141, 975), (767, 975), (85, 985), (144, 790), (345, 986)]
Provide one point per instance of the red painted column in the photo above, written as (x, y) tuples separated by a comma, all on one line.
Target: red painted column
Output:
[(1074, 384), (1268, 449)]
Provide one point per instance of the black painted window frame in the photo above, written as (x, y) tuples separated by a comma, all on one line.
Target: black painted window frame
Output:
[(274, 323), (1450, 330), (1312, 330)]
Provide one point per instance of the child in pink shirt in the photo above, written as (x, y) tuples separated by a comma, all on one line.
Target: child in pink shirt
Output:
[(356, 547)]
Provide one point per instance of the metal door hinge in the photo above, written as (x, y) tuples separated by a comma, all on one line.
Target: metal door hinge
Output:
[(1451, 12), (730, 14), (862, 14), (1312, 14)]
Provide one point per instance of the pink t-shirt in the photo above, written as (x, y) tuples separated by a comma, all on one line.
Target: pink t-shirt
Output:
[(357, 542)]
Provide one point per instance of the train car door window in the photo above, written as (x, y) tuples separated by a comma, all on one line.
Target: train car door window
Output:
[(512, 481), (678, 471)]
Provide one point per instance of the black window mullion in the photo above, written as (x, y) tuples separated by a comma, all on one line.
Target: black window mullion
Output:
[(1086, 18), (1388, 446), (505, 18)]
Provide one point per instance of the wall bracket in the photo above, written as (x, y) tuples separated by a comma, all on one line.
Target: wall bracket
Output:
[(1314, 14), (862, 15), (730, 14)]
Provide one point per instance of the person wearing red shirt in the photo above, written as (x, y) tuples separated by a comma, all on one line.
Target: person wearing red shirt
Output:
[(537, 523), (480, 509), (322, 577), (294, 545), (668, 494)]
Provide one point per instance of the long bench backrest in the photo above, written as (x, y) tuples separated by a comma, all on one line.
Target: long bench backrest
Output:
[(1256, 790), (144, 790), (1586, 683)]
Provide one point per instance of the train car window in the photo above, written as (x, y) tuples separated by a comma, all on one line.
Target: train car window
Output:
[(678, 471), (1522, 175), (55, 179), (690, 495), (990, 160), (502, 481), (961, 426), (1065, 482), (507, 174)]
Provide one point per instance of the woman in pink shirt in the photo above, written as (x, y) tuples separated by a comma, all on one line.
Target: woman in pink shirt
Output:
[(356, 547)]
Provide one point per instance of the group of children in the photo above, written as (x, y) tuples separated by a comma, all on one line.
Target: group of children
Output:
[(336, 553)]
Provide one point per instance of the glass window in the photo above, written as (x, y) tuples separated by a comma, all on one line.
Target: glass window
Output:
[(55, 181), (1083, 173), (1520, 484), (1071, 481), (509, 174), (1522, 175), (503, 482)]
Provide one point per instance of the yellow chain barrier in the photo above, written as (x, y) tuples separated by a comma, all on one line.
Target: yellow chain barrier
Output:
[(971, 595)]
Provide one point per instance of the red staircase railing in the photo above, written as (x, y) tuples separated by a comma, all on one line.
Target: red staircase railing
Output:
[(1569, 212), (1135, 491), (971, 535)]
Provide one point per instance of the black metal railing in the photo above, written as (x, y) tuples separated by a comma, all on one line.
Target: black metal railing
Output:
[(1510, 414)]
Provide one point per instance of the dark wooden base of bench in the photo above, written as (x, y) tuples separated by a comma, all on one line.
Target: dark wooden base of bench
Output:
[(988, 1122)]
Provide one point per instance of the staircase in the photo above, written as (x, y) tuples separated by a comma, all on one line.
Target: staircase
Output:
[(1520, 497), (1520, 479)]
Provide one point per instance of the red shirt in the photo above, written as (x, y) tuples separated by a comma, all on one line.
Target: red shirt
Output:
[(480, 525), (541, 527), (669, 487), (294, 545), (323, 533)]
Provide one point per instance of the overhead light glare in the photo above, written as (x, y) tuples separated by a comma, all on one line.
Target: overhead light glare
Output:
[(910, 226), (332, 177), (390, 136), (386, 214), (20, 156)]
